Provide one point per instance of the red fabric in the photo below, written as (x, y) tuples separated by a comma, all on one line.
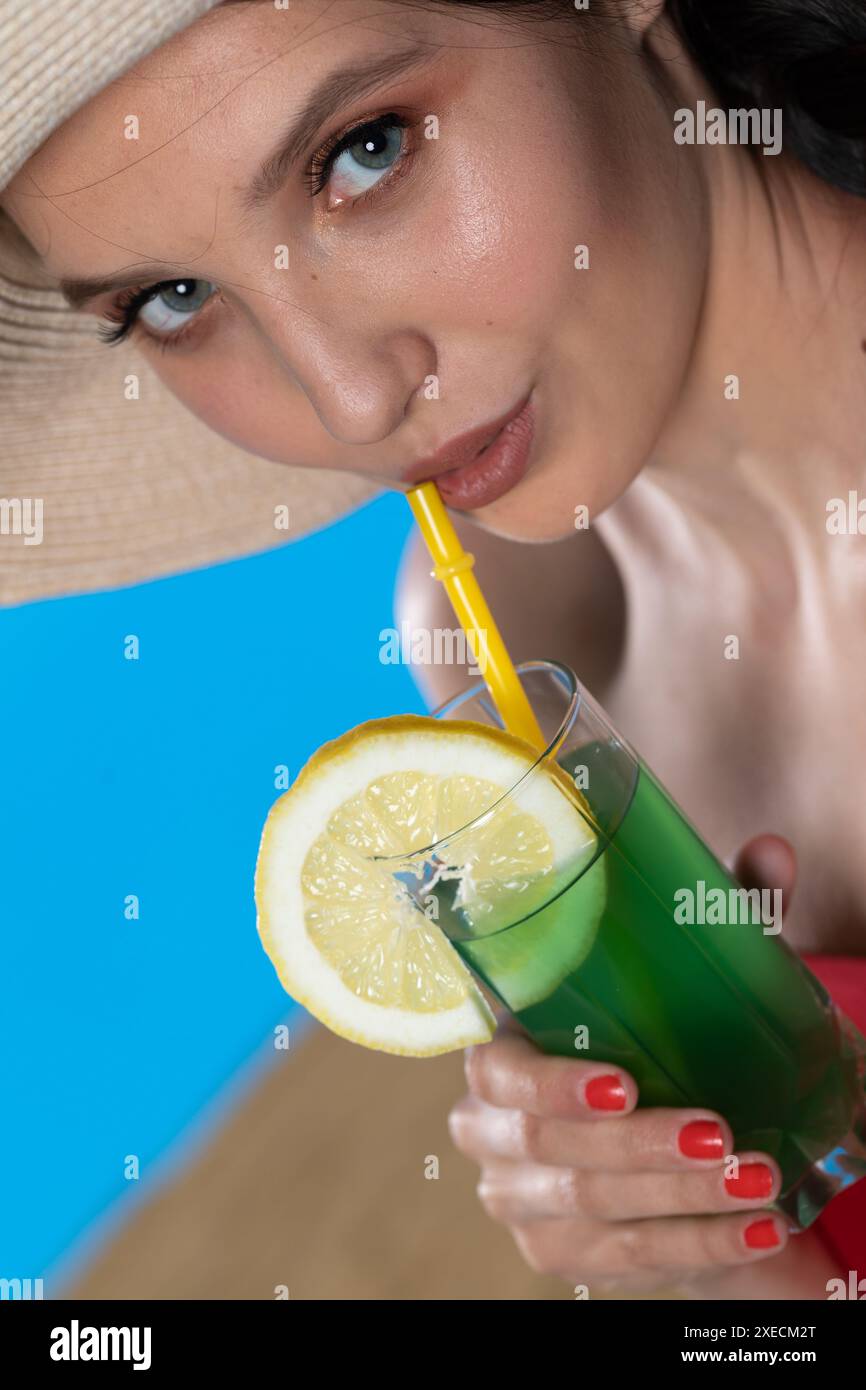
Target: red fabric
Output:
[(842, 1224)]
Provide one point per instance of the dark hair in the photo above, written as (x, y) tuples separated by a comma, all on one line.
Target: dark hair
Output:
[(807, 57)]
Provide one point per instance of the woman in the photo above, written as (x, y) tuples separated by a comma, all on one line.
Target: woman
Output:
[(346, 234)]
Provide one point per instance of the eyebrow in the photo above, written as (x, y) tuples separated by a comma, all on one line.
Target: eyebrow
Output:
[(340, 88)]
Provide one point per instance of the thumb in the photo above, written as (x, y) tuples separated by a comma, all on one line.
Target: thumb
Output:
[(767, 861)]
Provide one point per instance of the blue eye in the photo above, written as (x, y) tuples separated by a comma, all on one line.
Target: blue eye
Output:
[(174, 303), (165, 309), (360, 159)]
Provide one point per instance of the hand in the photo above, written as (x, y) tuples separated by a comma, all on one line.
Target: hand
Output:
[(601, 1194)]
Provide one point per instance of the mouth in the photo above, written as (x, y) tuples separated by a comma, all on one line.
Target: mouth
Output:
[(481, 466)]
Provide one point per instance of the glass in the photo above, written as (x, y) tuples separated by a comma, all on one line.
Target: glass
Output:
[(648, 954)]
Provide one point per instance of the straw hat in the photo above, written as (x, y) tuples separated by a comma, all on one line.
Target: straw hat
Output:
[(128, 490)]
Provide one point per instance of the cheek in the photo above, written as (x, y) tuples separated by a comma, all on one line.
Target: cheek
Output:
[(613, 340), (500, 238), (626, 327), (235, 388)]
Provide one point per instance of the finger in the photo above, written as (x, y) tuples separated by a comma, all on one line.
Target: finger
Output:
[(768, 861), (577, 1250), (511, 1071), (519, 1192), (656, 1139)]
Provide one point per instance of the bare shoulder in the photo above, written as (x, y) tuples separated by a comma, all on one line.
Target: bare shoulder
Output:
[(561, 599)]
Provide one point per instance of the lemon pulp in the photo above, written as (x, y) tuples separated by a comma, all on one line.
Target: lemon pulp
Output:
[(350, 940)]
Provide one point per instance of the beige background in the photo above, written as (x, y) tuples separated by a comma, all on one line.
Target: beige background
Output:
[(316, 1181)]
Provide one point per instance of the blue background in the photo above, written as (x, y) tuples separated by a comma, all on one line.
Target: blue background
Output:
[(154, 777)]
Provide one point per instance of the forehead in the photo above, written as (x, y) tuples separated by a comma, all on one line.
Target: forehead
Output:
[(195, 114)]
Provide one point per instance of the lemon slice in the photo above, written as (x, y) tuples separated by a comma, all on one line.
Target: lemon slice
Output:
[(362, 947)]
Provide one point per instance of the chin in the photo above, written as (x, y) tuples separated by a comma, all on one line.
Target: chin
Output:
[(524, 531), (527, 515)]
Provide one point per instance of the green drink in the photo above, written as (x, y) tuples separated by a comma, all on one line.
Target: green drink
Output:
[(653, 958)]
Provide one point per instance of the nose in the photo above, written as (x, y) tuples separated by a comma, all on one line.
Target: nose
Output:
[(359, 378)]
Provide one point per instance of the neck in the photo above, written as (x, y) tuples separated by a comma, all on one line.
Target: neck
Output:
[(776, 392)]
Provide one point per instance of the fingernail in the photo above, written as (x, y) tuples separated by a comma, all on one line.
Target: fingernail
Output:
[(761, 1235), (753, 1180), (702, 1139), (605, 1093)]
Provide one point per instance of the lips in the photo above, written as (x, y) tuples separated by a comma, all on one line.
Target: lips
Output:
[(480, 466)]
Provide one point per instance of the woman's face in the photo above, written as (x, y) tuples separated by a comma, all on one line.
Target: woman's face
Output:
[(357, 305)]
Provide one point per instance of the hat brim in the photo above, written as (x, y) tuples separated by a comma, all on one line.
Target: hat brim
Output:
[(129, 489)]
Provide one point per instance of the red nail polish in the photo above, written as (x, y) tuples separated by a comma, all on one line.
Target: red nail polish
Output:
[(753, 1180), (605, 1093), (761, 1235), (701, 1139)]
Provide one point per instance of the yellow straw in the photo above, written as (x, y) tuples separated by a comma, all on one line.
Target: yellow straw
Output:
[(453, 566)]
